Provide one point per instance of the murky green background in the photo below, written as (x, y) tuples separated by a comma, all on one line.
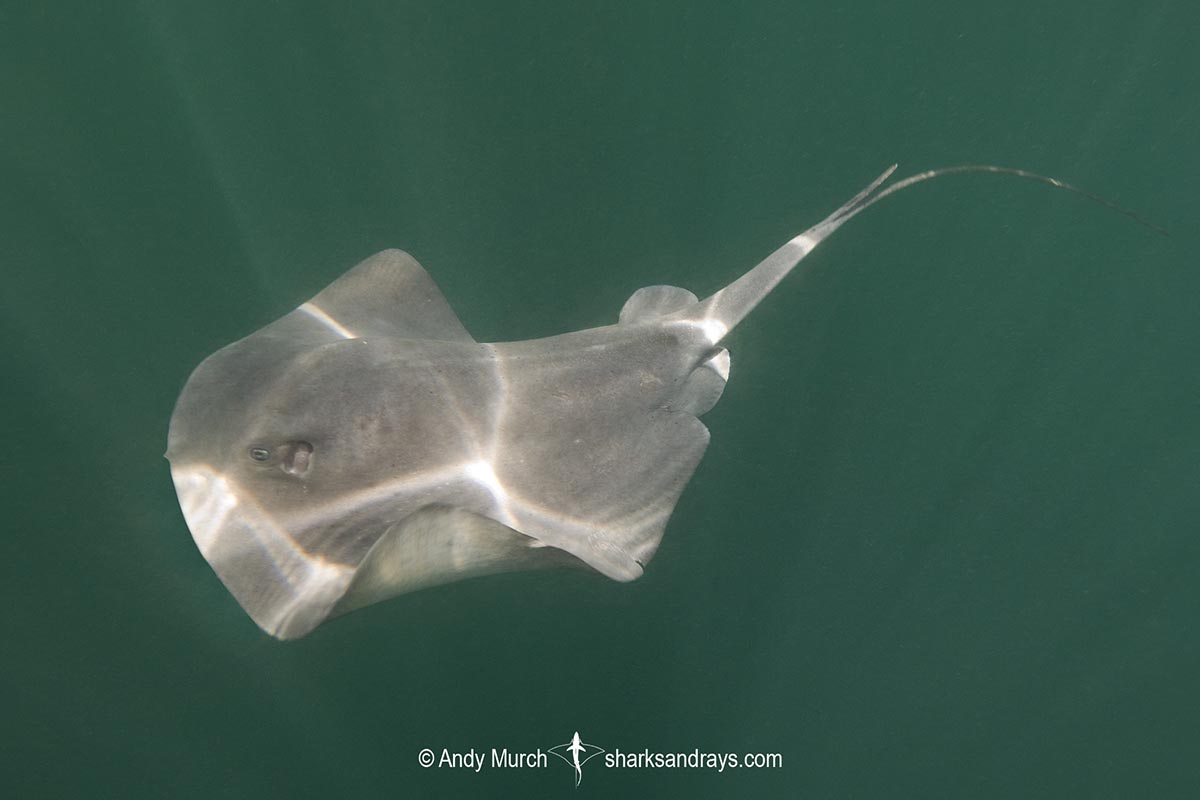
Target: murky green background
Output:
[(944, 542)]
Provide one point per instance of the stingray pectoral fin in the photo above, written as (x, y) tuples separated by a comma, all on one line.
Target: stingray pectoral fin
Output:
[(439, 544), (389, 294), (609, 505)]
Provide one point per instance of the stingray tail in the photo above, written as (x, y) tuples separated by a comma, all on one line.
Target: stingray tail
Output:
[(719, 313), (725, 309)]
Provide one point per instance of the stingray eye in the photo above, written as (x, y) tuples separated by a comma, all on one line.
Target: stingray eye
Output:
[(260, 454)]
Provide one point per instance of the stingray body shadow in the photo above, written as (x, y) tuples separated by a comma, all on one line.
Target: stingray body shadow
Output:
[(365, 445)]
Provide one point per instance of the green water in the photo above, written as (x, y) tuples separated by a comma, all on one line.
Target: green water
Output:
[(943, 543)]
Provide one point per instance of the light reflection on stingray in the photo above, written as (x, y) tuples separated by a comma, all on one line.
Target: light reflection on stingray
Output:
[(217, 505), (329, 322)]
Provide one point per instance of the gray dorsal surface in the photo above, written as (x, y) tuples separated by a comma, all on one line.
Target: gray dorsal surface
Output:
[(365, 445)]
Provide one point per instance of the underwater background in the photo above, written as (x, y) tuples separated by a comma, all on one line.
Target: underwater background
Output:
[(944, 541)]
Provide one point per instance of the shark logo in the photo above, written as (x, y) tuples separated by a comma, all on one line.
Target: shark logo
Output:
[(576, 753)]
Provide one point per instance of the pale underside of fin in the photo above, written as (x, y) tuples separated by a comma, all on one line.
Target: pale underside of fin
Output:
[(440, 544), (704, 386), (655, 302)]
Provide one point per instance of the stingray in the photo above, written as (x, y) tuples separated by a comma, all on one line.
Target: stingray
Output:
[(365, 445)]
